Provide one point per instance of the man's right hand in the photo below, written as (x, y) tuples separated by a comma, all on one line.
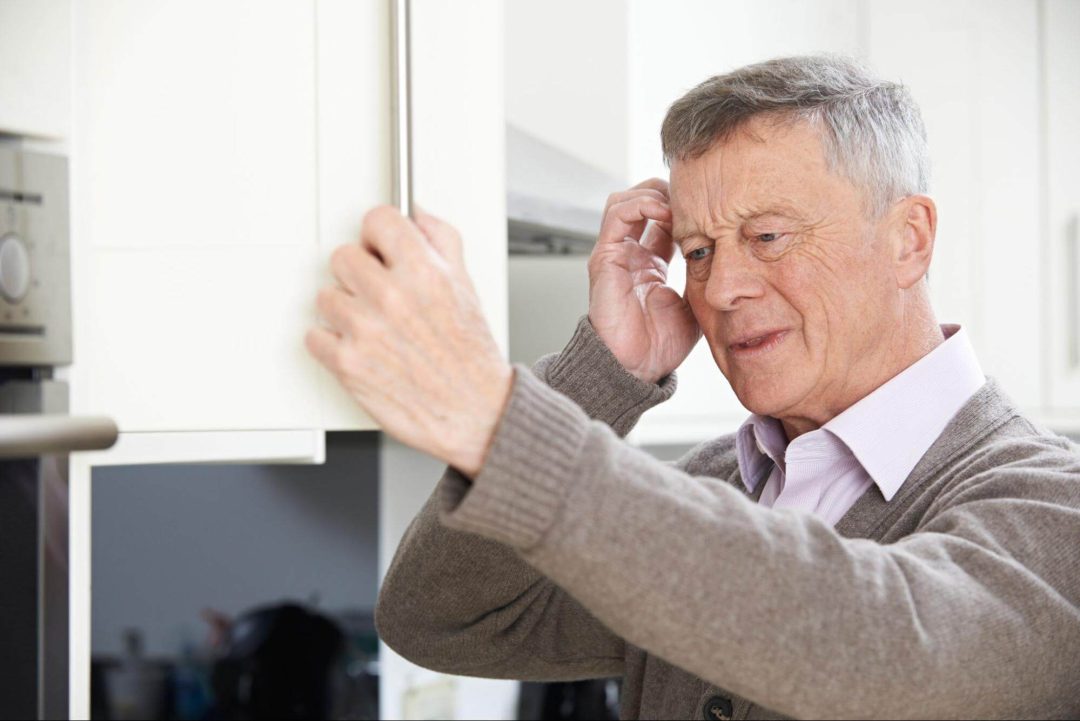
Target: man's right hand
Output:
[(646, 323)]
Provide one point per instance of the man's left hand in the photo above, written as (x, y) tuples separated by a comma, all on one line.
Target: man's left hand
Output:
[(407, 338)]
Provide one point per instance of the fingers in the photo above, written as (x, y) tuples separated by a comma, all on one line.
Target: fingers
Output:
[(397, 241), (338, 309), (656, 187), (635, 193), (627, 218), (627, 213), (657, 240), (442, 236), (356, 269), (325, 346), (392, 237), (655, 184)]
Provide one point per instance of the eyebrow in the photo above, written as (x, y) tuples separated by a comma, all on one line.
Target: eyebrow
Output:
[(784, 209)]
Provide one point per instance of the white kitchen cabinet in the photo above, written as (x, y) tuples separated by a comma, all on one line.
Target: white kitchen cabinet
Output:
[(221, 151), (1060, 27), (458, 131), (196, 210), (354, 128), (35, 65)]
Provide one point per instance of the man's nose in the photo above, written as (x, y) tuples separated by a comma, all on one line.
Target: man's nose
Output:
[(733, 277)]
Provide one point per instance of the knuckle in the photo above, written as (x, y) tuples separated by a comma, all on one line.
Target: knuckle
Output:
[(341, 258), (342, 358), (379, 217), (613, 210), (311, 342), (612, 200), (322, 299), (455, 237), (428, 273), (391, 300), (596, 263), (439, 224)]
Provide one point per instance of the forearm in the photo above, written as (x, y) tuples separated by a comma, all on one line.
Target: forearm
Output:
[(772, 605), (459, 603)]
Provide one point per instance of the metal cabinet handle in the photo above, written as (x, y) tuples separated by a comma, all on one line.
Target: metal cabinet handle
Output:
[(24, 436), (1072, 294), (401, 89)]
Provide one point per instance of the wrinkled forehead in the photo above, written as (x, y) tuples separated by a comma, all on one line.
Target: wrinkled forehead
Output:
[(761, 168)]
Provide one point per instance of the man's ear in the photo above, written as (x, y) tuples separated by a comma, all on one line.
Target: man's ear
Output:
[(914, 225)]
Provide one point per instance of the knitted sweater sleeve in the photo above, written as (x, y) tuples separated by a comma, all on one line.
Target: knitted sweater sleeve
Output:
[(976, 614), (457, 602)]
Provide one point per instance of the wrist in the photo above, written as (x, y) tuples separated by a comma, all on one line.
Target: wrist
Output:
[(646, 375), (494, 405)]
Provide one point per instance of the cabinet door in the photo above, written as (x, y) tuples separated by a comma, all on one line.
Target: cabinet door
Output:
[(355, 151), (35, 67), (196, 212), (459, 137), (1061, 63)]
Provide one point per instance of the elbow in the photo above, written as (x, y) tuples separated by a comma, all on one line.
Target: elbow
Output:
[(407, 631), (410, 641), (396, 627)]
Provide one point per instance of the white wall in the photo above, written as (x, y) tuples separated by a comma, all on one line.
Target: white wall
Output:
[(566, 76), (171, 540), (676, 44), (972, 65)]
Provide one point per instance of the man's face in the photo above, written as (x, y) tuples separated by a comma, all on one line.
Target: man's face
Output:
[(778, 246)]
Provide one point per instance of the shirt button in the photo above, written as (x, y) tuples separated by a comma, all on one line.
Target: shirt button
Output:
[(717, 708)]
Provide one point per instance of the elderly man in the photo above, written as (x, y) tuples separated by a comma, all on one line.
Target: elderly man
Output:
[(885, 535)]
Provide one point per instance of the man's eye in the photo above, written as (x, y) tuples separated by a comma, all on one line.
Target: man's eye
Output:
[(768, 237), (698, 254)]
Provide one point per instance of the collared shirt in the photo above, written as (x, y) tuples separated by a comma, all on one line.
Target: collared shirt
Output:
[(878, 440)]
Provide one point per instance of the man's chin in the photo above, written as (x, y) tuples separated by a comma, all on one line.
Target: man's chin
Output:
[(764, 399)]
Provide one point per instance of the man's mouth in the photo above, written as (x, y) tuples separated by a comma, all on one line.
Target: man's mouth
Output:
[(757, 342)]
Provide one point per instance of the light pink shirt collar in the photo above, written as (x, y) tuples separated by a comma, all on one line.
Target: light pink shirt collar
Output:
[(890, 429)]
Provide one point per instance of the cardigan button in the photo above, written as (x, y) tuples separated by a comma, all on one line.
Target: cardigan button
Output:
[(717, 708)]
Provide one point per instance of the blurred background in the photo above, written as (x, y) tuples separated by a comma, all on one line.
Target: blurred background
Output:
[(202, 575)]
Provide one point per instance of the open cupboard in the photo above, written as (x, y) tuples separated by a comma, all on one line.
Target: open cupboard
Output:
[(219, 153)]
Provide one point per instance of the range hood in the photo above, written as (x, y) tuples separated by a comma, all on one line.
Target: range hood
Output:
[(554, 201)]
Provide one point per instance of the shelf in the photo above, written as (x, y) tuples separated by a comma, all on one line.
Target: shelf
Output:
[(276, 446)]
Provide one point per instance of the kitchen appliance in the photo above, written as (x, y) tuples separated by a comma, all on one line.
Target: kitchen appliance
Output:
[(280, 662), (36, 433)]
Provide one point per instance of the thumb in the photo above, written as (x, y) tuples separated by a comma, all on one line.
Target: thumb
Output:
[(443, 237)]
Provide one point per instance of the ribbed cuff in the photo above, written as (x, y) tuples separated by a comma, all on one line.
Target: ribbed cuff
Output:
[(518, 494), (590, 374)]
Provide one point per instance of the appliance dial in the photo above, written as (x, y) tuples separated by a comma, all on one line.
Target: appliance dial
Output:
[(14, 268)]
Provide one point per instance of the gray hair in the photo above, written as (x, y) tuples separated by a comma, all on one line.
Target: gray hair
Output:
[(872, 130)]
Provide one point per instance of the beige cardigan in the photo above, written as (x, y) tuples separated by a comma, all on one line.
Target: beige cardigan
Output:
[(574, 555)]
